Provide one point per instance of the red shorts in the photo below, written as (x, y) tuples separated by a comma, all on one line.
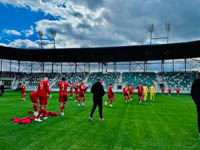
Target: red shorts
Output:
[(139, 94), (23, 92), (125, 94), (110, 95), (131, 93), (178, 92), (63, 98), (43, 100), (169, 92), (81, 95), (33, 99)]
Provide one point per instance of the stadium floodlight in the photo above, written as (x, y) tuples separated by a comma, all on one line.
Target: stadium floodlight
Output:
[(168, 28), (40, 34), (151, 29), (53, 34)]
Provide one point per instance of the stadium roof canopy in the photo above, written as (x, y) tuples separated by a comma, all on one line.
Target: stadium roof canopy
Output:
[(105, 54)]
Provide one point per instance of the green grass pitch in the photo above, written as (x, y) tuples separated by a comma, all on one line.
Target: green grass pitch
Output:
[(169, 123)]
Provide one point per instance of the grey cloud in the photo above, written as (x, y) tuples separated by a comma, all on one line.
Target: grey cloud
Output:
[(92, 4), (131, 18)]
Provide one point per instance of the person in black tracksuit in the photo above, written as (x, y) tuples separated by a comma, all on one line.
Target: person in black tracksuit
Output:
[(98, 93), (195, 93)]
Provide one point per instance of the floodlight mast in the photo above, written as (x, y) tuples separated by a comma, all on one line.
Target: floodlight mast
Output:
[(167, 28), (40, 34), (151, 29), (53, 35)]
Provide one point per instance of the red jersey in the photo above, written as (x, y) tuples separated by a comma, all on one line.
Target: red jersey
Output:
[(140, 88), (131, 90), (71, 89), (177, 90), (82, 89), (23, 90), (110, 91), (169, 90), (43, 88), (63, 87), (126, 90), (76, 88)]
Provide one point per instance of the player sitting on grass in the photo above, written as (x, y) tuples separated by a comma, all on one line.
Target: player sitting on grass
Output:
[(110, 95), (152, 93), (63, 95)]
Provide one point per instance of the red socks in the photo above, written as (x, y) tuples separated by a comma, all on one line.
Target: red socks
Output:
[(61, 109), (35, 107)]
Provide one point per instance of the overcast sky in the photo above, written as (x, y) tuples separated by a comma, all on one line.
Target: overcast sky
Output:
[(96, 23)]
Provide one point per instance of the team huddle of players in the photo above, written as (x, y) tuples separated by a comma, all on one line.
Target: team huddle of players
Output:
[(43, 93)]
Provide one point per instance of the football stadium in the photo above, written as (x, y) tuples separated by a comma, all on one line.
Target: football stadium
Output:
[(49, 98)]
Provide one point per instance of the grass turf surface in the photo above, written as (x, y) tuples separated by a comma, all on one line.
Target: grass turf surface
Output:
[(169, 123)]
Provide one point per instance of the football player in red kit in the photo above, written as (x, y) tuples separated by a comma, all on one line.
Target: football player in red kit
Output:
[(169, 91), (110, 95), (140, 92), (162, 90), (177, 91), (82, 91), (63, 95), (76, 92), (131, 91), (71, 91), (43, 90), (34, 101), (126, 93), (23, 91)]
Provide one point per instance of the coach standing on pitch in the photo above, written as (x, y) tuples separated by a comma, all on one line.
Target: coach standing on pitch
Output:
[(195, 93), (98, 93)]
